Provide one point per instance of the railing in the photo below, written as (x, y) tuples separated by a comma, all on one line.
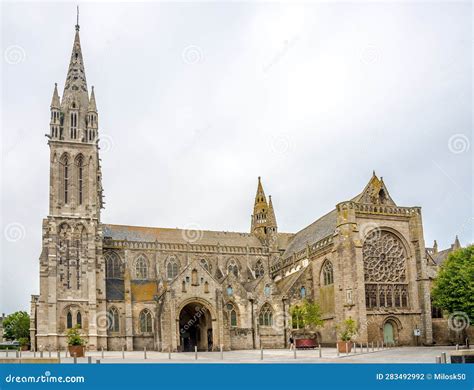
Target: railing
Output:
[(180, 247), (378, 208)]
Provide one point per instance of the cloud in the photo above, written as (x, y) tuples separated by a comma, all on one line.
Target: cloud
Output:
[(311, 97)]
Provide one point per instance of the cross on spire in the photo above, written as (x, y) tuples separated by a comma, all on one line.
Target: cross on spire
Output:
[(77, 19)]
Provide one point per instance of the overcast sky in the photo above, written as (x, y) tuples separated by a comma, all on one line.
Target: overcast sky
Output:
[(197, 100)]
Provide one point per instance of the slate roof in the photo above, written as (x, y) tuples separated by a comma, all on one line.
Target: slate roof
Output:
[(287, 282), (441, 255), (181, 236), (168, 235), (319, 229)]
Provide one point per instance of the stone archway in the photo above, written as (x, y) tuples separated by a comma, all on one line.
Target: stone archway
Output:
[(195, 328)]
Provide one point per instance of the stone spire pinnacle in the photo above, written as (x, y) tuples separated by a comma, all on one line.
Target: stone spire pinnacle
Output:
[(55, 100), (92, 104), (271, 219), (75, 87)]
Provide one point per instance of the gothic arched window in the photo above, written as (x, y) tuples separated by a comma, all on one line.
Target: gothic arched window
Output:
[(79, 319), (114, 320), (327, 273), (145, 321), (80, 178), (64, 178), (232, 315), (73, 125), (172, 269), (141, 268), (69, 320), (259, 270), (113, 266), (385, 275), (265, 317), (232, 268)]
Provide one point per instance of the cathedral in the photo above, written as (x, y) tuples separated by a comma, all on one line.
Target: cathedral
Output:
[(176, 289)]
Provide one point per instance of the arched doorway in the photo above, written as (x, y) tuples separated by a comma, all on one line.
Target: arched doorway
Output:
[(388, 333), (195, 328)]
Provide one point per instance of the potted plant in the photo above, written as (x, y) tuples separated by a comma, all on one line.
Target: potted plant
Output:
[(347, 330), (76, 343), (24, 342), (307, 317)]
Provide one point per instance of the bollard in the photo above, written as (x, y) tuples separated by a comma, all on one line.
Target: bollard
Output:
[(7, 352), (337, 350), (123, 353), (355, 348), (102, 354), (261, 353), (97, 361), (41, 354), (16, 354), (59, 356), (49, 351), (320, 351), (89, 359), (144, 353), (443, 358), (367, 347), (438, 360), (222, 352), (361, 348), (75, 358), (20, 353), (195, 352), (382, 344), (378, 346), (373, 349), (347, 348), (294, 353), (457, 347), (169, 353)]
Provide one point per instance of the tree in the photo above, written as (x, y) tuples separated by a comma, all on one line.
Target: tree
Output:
[(347, 329), (453, 288), (306, 316), (16, 326), (74, 336)]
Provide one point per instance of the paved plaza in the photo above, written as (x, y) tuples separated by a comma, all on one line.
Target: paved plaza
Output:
[(328, 355)]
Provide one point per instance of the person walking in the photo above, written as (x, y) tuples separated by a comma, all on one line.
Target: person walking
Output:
[(292, 343)]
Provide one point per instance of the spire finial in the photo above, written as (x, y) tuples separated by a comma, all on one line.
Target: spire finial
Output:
[(77, 19)]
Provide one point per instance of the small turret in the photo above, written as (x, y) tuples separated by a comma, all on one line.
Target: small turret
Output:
[(55, 124), (92, 124), (435, 247)]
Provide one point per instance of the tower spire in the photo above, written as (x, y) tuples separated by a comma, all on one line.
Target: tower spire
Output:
[(75, 95), (260, 210)]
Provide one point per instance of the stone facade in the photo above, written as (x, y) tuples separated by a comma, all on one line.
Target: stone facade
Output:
[(172, 289)]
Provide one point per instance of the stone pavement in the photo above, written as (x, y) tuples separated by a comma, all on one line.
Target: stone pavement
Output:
[(329, 355)]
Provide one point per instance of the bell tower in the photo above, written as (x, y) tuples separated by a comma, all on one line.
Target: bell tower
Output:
[(72, 281), (263, 220)]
